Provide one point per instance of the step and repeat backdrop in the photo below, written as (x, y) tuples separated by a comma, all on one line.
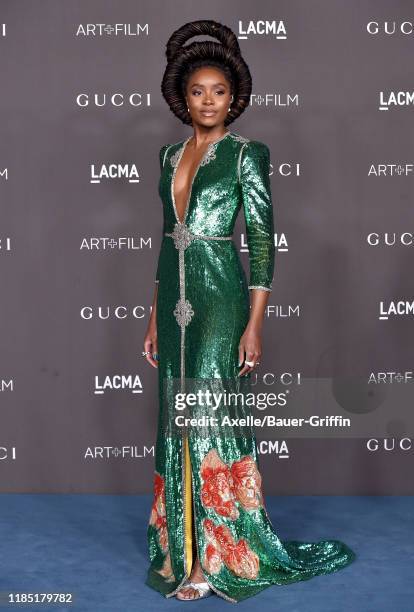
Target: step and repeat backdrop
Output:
[(82, 120)]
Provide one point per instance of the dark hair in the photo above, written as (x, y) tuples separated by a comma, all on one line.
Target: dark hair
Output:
[(182, 61)]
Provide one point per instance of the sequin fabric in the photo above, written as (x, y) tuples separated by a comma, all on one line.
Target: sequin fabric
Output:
[(208, 498)]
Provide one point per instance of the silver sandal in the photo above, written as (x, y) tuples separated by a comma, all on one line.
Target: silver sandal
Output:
[(202, 588)]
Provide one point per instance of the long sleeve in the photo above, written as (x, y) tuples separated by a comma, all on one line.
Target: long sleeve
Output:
[(161, 155), (258, 212)]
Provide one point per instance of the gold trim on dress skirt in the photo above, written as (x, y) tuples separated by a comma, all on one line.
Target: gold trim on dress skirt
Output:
[(188, 509)]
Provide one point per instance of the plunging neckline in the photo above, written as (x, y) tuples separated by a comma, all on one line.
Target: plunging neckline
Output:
[(209, 146)]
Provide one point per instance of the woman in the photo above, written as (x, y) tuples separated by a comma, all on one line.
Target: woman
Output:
[(208, 529)]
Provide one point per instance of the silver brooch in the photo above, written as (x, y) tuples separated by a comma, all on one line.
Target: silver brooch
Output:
[(181, 235), (183, 312)]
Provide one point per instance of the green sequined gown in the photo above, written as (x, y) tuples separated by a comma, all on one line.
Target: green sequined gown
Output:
[(208, 497)]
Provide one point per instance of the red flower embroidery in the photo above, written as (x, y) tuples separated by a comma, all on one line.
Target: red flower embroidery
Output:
[(223, 485), (222, 548), (242, 560), (217, 489), (212, 560), (247, 483), (166, 570), (158, 516)]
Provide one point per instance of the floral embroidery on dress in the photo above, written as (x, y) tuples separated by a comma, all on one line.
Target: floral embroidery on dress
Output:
[(158, 519), (166, 570), (217, 490), (222, 548), (225, 485), (247, 483)]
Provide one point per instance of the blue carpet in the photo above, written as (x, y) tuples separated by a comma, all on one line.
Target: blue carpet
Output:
[(94, 546)]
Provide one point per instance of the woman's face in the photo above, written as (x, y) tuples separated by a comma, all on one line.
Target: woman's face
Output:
[(208, 96)]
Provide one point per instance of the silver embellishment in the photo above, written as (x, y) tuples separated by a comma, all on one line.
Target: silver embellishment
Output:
[(239, 138), (206, 237), (259, 287), (210, 154), (183, 312), (239, 161), (181, 235), (174, 158), (165, 154)]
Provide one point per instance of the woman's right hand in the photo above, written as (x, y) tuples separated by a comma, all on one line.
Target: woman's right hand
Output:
[(151, 343)]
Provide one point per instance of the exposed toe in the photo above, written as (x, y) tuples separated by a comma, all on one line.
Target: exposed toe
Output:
[(188, 593)]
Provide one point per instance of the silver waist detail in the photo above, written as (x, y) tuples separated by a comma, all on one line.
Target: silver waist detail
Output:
[(183, 236)]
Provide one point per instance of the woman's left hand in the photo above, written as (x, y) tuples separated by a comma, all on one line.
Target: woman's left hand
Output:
[(250, 349)]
